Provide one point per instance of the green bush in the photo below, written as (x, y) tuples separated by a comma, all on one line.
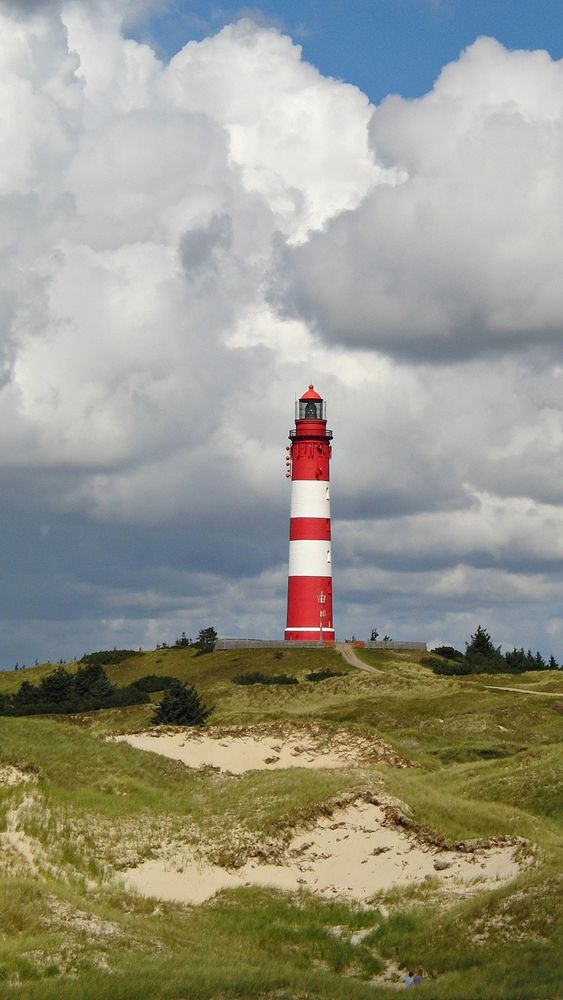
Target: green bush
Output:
[(108, 657), (323, 675), (449, 652), (450, 668), (258, 678), (154, 682)]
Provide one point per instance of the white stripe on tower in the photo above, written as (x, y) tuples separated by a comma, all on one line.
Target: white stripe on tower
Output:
[(308, 558), (310, 498)]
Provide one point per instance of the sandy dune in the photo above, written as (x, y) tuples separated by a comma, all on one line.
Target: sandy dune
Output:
[(354, 853), (268, 747)]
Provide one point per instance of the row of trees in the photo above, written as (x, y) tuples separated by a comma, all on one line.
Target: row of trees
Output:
[(63, 692), (483, 657), (205, 642)]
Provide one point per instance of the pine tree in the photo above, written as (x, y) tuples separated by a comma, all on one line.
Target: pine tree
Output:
[(206, 639), (482, 654), (180, 706)]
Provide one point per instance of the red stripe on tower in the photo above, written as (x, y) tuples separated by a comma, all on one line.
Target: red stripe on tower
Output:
[(309, 585)]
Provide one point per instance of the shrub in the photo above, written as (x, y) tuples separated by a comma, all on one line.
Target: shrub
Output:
[(105, 657), (154, 682), (181, 706), (258, 678), (448, 651), (323, 675), (451, 668)]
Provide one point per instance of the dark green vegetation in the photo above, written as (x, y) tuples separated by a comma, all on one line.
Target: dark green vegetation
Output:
[(259, 678), (489, 763), (105, 657), (323, 675), (65, 691), (483, 657), (180, 706)]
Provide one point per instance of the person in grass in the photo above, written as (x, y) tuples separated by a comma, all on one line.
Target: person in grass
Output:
[(418, 977), (409, 980)]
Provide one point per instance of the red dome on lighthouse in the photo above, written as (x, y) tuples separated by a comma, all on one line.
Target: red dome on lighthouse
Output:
[(311, 394)]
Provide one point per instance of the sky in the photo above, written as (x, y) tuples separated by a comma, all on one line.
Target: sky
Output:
[(204, 208)]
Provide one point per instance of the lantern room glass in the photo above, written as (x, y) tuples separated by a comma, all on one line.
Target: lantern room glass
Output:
[(310, 409)]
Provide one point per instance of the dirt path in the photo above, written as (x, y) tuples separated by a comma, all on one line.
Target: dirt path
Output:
[(349, 654), (545, 694)]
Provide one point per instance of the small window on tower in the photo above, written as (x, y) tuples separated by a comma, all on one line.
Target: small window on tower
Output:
[(311, 410)]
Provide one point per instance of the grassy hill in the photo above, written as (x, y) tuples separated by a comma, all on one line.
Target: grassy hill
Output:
[(76, 809)]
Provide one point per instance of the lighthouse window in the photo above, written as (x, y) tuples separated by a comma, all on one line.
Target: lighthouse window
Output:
[(311, 410)]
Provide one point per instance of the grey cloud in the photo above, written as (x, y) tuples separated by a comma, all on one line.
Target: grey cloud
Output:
[(463, 255), (199, 244)]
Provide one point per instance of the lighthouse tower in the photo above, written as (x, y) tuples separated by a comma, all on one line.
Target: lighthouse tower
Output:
[(309, 585)]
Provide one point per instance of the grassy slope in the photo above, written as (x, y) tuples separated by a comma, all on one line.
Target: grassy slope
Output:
[(490, 764)]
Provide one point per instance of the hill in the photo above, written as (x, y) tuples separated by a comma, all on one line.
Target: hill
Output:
[(456, 766)]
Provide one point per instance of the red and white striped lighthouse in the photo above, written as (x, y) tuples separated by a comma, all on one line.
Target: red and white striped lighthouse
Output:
[(309, 585)]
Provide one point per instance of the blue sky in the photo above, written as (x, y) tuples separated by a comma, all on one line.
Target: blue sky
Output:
[(382, 46)]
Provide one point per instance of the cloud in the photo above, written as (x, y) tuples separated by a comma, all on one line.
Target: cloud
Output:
[(151, 216), (464, 256)]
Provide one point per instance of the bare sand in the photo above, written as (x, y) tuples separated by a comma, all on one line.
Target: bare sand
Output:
[(354, 853), (272, 747)]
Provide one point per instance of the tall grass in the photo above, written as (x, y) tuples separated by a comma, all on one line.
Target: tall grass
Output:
[(488, 764)]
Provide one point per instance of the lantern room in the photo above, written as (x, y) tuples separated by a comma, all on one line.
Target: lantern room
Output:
[(310, 406)]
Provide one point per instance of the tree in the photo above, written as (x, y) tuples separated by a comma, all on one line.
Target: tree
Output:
[(206, 639), (553, 664), (482, 654), (93, 682), (374, 635), (180, 706), (57, 686), (183, 642)]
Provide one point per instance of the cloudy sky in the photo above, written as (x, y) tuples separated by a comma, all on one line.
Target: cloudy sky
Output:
[(203, 209)]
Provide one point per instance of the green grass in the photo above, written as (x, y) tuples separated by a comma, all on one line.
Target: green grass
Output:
[(489, 764)]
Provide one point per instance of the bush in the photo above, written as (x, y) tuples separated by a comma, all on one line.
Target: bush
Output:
[(180, 706), (258, 678), (323, 675), (448, 651), (451, 668), (154, 682), (107, 657)]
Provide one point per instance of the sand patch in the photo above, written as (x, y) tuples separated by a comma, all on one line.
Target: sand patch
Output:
[(275, 747), (354, 853), (10, 775)]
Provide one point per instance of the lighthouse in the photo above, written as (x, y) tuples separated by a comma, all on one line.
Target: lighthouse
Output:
[(309, 585)]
